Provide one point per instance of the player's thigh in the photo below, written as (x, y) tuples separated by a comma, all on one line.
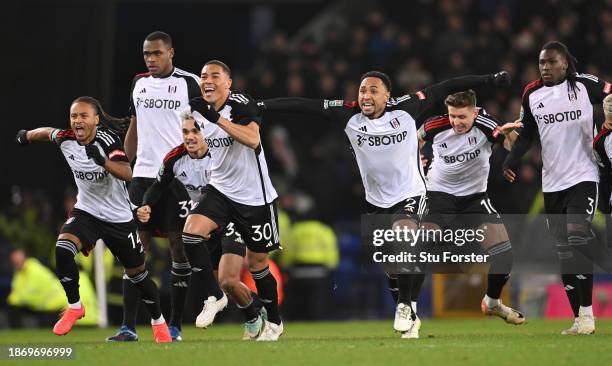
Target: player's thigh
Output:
[(555, 204), (123, 240), (441, 209), (257, 226), (582, 203), (83, 229), (210, 214), (409, 212), (493, 234), (478, 212)]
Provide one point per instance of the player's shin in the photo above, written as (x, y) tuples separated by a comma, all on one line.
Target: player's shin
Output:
[(581, 243), (131, 302), (568, 276), (148, 293), (266, 288), (68, 274), (392, 286), (197, 252), (67, 270), (499, 271), (180, 279)]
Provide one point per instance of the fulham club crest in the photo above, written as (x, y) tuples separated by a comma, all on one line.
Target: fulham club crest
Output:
[(472, 141), (395, 123)]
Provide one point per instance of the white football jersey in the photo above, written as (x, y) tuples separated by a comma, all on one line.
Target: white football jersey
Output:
[(460, 164), (193, 173), (100, 194), (387, 154), (238, 171), (564, 120), (157, 104)]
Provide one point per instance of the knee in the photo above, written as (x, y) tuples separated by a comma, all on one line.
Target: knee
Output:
[(257, 261), (197, 227), (228, 283), (65, 251), (131, 272), (501, 257)]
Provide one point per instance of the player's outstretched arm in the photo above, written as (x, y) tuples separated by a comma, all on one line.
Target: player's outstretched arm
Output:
[(24, 137), (294, 105), (437, 92)]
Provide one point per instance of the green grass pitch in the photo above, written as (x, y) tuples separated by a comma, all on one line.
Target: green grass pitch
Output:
[(483, 341)]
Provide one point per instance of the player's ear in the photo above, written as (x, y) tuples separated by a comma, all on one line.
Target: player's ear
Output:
[(97, 119), (171, 52), (229, 83)]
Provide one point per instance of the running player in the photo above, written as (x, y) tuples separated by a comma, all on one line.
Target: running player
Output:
[(457, 186), (190, 164), (157, 98), (103, 210), (558, 107), (383, 137), (239, 190)]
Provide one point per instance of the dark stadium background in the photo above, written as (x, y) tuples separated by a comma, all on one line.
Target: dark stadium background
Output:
[(58, 50)]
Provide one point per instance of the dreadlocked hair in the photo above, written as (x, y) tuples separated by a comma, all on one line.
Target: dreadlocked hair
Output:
[(117, 125), (571, 72)]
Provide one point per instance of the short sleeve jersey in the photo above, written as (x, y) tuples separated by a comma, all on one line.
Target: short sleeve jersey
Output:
[(563, 117), (193, 173), (157, 104), (460, 164), (100, 194), (386, 148)]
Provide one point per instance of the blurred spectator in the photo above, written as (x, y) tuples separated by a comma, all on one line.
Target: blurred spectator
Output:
[(309, 255), (36, 291)]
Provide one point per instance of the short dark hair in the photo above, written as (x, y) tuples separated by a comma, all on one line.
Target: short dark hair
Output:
[(159, 35), (461, 99), (378, 74), (221, 64)]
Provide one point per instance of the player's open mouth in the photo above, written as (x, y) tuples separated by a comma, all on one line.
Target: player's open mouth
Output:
[(79, 131), (190, 144), (208, 90)]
